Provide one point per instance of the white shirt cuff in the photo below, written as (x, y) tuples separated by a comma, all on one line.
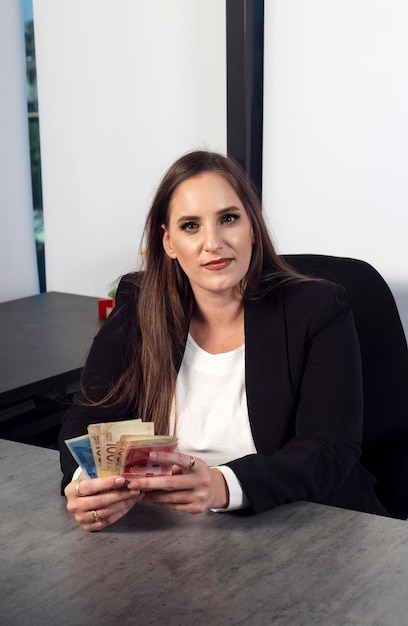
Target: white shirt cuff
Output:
[(76, 473), (237, 497)]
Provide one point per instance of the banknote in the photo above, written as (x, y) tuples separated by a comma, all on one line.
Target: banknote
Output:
[(107, 436), (81, 450), (134, 460), (111, 432), (94, 433), (121, 446)]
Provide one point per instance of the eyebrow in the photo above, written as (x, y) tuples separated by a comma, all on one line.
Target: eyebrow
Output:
[(196, 218)]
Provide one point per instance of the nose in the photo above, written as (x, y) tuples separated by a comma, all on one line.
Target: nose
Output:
[(213, 240)]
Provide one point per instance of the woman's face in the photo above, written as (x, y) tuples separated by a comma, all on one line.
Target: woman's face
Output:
[(209, 233)]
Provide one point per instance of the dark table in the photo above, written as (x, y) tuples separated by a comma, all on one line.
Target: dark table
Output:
[(44, 340), (302, 564)]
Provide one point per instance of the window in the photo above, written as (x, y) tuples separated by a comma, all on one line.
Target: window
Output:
[(34, 138)]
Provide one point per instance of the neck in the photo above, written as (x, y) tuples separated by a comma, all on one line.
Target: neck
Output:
[(217, 324)]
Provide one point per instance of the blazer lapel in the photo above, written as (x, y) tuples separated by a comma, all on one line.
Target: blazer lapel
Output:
[(270, 398)]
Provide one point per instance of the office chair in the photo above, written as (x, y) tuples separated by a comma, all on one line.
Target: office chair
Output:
[(385, 371)]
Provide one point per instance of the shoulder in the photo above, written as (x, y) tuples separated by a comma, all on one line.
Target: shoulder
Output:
[(128, 289), (309, 293), (316, 305), (120, 323), (303, 305), (315, 294)]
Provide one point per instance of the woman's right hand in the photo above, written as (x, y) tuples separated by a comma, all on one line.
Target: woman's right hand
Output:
[(99, 502)]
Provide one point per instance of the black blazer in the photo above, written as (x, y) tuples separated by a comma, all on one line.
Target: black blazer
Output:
[(304, 394)]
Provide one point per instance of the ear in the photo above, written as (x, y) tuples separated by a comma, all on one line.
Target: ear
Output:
[(168, 248)]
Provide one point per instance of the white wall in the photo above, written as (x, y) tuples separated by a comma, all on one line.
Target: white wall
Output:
[(18, 269), (124, 88), (336, 131)]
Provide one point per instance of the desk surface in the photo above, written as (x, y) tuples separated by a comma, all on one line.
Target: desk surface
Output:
[(301, 564), (44, 340)]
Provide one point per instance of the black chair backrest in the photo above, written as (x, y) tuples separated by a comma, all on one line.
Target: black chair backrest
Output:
[(385, 371)]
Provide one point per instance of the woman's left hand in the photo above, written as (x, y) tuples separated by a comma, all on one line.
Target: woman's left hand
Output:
[(193, 487)]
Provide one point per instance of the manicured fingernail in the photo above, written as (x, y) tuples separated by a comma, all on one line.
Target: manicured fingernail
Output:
[(120, 481), (153, 455)]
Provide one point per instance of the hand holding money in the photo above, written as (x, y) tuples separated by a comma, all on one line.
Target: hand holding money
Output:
[(193, 487), (99, 502), (108, 455), (122, 448)]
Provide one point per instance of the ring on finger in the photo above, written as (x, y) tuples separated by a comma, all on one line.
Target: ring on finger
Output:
[(190, 465), (79, 494), (96, 516)]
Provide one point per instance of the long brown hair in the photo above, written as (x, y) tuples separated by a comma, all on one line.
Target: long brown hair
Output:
[(147, 385)]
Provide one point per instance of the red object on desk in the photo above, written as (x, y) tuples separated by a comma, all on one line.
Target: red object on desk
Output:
[(105, 306)]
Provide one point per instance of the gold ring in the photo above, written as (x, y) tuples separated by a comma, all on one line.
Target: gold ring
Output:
[(79, 494), (96, 516), (190, 465)]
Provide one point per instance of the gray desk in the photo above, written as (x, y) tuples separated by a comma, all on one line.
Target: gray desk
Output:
[(301, 564), (44, 340), (43, 344)]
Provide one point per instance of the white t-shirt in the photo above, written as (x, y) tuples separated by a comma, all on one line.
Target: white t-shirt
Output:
[(210, 413)]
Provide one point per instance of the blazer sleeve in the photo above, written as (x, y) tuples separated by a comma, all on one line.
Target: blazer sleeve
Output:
[(105, 361), (305, 399)]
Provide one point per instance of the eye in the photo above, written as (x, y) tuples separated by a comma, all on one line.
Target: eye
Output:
[(229, 218), (189, 226)]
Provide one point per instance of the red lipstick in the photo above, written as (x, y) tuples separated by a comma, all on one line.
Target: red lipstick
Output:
[(220, 264)]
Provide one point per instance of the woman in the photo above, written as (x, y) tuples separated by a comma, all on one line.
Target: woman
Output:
[(255, 368)]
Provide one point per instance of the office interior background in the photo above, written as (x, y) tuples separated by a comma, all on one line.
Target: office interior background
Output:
[(126, 87)]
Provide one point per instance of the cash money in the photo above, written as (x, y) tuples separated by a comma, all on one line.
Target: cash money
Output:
[(123, 448), (109, 436), (81, 450), (133, 455)]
